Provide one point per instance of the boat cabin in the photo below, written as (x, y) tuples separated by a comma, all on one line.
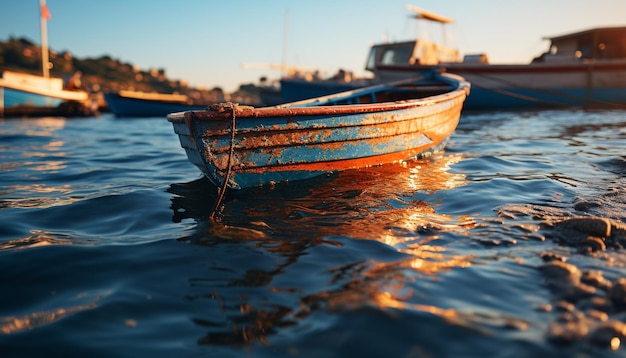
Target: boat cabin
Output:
[(415, 52), (606, 43), (419, 52)]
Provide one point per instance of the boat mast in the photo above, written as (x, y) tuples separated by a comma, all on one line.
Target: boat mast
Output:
[(45, 15), (285, 34)]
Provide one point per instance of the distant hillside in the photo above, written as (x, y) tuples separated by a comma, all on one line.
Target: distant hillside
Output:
[(105, 74)]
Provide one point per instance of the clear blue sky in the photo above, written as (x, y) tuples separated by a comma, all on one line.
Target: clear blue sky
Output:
[(206, 41)]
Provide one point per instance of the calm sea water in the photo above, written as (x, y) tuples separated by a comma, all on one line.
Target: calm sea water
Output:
[(107, 250)]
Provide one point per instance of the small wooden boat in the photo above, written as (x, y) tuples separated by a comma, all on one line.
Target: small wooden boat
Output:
[(238, 147)]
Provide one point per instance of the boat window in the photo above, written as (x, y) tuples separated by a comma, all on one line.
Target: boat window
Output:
[(585, 46), (397, 55), (390, 54), (611, 47), (388, 57), (371, 60)]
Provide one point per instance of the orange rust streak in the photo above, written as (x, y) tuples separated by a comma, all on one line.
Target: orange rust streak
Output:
[(343, 164), (368, 132), (436, 133)]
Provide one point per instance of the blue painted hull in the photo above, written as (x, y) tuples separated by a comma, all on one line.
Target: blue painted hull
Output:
[(16, 103), (539, 85), (503, 98), (505, 87), (516, 98), (15, 98), (305, 139), (133, 107)]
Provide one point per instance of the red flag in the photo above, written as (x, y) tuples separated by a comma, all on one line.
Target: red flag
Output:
[(45, 12)]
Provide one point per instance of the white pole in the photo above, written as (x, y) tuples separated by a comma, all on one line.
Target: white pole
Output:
[(44, 40), (286, 32)]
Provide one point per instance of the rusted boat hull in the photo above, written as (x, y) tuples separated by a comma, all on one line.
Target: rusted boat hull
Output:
[(313, 137)]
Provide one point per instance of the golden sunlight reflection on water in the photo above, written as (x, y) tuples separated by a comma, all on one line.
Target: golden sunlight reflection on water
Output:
[(16, 324), (378, 203), (39, 196), (44, 126), (37, 238)]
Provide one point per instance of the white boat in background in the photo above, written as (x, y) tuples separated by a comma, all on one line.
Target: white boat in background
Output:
[(585, 68), (146, 104), (26, 95), (29, 95)]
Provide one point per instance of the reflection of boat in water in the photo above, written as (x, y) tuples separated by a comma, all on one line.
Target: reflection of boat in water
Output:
[(363, 233), (239, 147), (370, 186), (146, 104)]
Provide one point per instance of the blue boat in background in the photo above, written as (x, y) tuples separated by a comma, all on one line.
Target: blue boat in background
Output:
[(145, 104), (238, 147)]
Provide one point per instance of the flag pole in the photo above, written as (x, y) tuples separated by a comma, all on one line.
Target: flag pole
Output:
[(44, 38)]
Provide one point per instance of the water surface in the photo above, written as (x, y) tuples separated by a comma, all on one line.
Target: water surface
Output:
[(107, 247)]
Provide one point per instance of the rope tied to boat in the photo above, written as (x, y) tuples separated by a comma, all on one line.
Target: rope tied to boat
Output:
[(222, 108)]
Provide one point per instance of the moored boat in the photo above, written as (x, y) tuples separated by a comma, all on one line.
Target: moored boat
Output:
[(585, 68), (146, 104), (237, 147), (27, 95)]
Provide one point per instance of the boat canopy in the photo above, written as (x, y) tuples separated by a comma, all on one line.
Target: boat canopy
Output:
[(427, 15), (600, 31)]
